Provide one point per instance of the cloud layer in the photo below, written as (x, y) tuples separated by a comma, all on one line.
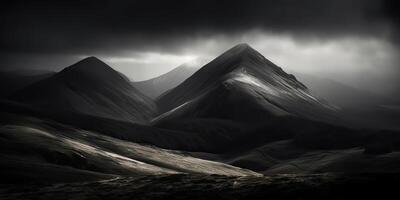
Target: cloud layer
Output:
[(359, 38)]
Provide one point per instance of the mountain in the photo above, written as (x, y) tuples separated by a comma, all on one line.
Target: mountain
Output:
[(156, 86), (341, 94), (30, 72), (236, 118), (241, 84), (90, 87), (358, 107), (12, 81)]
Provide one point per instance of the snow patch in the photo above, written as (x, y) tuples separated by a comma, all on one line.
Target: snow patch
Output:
[(253, 81)]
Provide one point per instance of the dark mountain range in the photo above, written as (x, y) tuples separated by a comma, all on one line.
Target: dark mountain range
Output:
[(241, 84), (90, 87), (360, 108), (13, 81), (238, 116), (342, 95), (156, 86)]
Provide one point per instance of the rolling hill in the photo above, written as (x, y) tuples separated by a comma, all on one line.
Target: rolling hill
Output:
[(41, 150)]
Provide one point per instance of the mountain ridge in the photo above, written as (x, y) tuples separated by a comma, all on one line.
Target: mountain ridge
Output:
[(91, 87), (266, 85), (156, 86)]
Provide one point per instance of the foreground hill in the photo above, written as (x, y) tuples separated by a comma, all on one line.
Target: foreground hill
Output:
[(90, 87), (204, 187), (39, 150)]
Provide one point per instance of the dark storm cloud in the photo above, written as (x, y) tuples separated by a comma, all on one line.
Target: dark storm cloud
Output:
[(77, 27), (352, 41)]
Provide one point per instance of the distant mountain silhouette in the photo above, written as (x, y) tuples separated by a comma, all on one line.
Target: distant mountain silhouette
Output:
[(341, 94), (241, 84), (156, 86), (12, 81), (89, 87)]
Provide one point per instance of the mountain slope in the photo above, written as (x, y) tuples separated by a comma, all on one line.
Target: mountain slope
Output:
[(90, 87), (40, 150), (13, 81), (243, 84), (156, 86), (340, 94)]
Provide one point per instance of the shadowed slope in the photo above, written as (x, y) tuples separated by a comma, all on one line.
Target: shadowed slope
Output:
[(89, 87), (13, 81), (30, 145), (241, 80)]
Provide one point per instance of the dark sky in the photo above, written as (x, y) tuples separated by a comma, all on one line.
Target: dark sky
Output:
[(354, 41)]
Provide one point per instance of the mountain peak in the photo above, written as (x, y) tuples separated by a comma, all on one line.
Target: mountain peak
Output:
[(91, 59), (90, 65), (243, 51), (89, 62), (242, 46), (238, 65), (90, 87), (93, 70)]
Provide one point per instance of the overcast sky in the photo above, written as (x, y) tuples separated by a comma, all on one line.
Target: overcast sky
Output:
[(353, 41)]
